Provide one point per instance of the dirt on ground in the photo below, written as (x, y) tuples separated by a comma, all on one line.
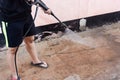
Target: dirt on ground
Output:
[(70, 60)]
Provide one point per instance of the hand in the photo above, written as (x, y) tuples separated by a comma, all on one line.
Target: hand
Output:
[(48, 11)]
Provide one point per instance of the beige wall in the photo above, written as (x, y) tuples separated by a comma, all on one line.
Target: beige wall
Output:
[(74, 9)]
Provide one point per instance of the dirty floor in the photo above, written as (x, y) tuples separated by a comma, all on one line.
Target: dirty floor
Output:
[(70, 60)]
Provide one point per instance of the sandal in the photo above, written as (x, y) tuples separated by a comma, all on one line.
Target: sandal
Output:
[(42, 64)]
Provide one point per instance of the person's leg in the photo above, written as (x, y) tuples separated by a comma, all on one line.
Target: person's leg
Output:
[(13, 37), (10, 60), (30, 46)]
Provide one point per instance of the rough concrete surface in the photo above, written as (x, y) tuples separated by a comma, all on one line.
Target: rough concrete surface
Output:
[(70, 60)]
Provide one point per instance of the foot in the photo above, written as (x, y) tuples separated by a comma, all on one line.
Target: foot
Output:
[(41, 64), (15, 78)]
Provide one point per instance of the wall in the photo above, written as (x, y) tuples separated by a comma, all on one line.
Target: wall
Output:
[(74, 9)]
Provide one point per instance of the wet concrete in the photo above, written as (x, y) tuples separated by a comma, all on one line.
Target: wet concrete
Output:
[(70, 60)]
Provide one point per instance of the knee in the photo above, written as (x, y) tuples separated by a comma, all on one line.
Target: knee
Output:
[(29, 41), (12, 50)]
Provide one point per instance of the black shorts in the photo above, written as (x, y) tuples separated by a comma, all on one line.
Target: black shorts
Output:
[(14, 31)]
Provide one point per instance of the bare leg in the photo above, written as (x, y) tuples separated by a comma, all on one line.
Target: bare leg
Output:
[(10, 60), (30, 46)]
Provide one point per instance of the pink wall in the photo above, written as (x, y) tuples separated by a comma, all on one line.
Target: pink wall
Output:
[(74, 9)]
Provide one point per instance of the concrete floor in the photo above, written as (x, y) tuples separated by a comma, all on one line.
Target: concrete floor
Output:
[(70, 60)]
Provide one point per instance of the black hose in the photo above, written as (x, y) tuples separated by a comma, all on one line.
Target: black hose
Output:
[(15, 58), (16, 63), (41, 4)]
